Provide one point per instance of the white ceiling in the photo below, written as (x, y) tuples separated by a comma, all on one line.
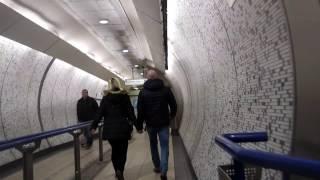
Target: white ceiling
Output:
[(20, 29), (116, 35), (134, 25)]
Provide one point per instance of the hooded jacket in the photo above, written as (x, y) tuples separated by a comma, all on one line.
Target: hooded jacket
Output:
[(153, 105)]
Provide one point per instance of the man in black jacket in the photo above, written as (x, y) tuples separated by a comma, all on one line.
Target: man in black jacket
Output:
[(86, 110), (153, 109)]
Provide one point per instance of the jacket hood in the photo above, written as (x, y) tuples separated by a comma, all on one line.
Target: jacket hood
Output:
[(153, 84)]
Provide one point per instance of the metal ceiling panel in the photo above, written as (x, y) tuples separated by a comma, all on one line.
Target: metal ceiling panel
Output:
[(90, 5), (118, 34), (30, 34), (8, 17), (77, 22), (26, 32)]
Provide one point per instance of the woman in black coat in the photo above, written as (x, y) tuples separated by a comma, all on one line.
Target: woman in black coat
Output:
[(119, 117)]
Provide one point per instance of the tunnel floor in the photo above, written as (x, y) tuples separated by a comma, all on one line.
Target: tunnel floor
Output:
[(60, 165)]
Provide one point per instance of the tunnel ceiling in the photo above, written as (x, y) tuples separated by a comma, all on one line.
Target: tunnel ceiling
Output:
[(135, 26)]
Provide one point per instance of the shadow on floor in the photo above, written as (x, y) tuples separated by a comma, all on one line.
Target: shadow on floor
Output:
[(92, 169)]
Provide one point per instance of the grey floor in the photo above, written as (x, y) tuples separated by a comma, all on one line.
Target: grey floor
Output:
[(60, 165)]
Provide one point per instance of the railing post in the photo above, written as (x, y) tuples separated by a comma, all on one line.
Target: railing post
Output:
[(27, 152), (239, 170), (76, 140), (100, 143)]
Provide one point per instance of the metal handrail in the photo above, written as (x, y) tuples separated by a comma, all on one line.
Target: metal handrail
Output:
[(247, 137), (29, 143), (39, 136), (285, 163)]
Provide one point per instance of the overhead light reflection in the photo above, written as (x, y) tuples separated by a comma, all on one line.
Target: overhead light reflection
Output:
[(103, 21)]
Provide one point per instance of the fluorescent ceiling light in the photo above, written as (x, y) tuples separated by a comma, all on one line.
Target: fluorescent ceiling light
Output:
[(125, 50), (103, 21), (136, 66)]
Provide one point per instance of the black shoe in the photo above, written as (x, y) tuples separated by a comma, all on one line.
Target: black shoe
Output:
[(119, 175), (156, 170), (163, 177)]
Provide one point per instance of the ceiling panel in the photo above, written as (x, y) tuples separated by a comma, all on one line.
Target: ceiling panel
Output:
[(149, 8), (37, 37), (77, 22), (116, 35), (110, 28), (90, 5), (8, 17), (93, 17)]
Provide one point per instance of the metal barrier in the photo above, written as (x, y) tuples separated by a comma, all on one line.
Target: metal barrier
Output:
[(285, 163), (28, 144)]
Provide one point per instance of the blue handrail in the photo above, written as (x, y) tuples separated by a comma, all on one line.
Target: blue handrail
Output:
[(247, 137), (39, 136), (299, 166)]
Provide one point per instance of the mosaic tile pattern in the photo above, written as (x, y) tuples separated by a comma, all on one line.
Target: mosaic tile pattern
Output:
[(61, 91), (21, 72), (235, 69)]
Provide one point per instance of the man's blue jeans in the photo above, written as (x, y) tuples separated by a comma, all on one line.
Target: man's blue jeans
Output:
[(163, 134)]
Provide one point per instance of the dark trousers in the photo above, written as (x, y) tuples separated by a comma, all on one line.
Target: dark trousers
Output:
[(88, 135), (119, 153)]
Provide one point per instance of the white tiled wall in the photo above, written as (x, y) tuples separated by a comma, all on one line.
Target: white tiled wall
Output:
[(21, 72), (234, 69)]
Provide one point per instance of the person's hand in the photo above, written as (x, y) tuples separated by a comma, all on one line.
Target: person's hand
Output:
[(93, 131)]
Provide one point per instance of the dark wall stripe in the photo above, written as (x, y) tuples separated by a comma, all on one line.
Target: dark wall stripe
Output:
[(165, 31), (40, 92), (182, 164)]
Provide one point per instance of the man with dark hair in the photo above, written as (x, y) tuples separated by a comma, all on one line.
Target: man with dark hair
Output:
[(153, 109), (87, 108)]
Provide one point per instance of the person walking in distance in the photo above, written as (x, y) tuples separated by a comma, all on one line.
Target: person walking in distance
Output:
[(119, 117), (86, 111), (154, 101)]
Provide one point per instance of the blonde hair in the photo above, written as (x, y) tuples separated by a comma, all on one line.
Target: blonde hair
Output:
[(115, 86)]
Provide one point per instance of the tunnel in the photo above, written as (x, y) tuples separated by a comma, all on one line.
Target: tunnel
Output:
[(234, 66)]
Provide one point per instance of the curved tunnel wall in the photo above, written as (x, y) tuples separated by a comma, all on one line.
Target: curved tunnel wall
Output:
[(234, 69), (38, 93)]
